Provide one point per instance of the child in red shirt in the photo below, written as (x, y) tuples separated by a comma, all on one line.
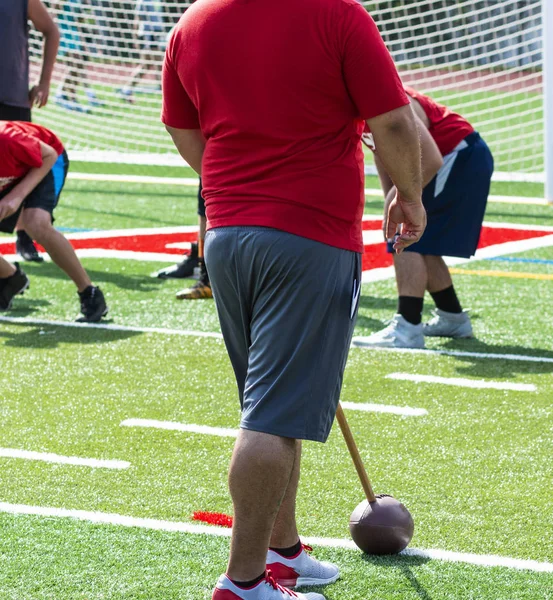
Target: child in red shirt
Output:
[(33, 168)]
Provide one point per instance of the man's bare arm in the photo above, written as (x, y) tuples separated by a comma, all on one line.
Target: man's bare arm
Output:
[(396, 138), (191, 145), (44, 23)]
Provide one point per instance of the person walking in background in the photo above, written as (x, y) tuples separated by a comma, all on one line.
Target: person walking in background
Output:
[(458, 167), (149, 31), (33, 168), (267, 101), (17, 96)]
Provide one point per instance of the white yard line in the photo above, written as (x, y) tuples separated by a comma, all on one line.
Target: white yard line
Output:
[(64, 460), (193, 181), (384, 408), (484, 560), (187, 427), (208, 334), (479, 384)]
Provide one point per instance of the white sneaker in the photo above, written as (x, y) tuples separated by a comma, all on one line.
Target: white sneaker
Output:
[(399, 334), (268, 589), (301, 570), (446, 324)]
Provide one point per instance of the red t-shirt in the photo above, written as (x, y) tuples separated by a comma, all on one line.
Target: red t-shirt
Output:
[(447, 128), (280, 91), (20, 149)]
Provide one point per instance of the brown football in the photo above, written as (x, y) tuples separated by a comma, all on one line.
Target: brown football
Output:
[(384, 526)]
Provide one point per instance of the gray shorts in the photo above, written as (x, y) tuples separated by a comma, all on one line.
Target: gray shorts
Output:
[(287, 307)]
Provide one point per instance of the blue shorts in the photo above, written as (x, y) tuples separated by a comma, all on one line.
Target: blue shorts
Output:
[(287, 307), (45, 195), (455, 201)]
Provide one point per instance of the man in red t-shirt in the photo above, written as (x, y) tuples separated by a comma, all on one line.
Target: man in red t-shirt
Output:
[(267, 101), (457, 171), (33, 167)]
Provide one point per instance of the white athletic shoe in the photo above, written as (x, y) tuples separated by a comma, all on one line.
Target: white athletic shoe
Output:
[(301, 570), (268, 589), (399, 334), (446, 324)]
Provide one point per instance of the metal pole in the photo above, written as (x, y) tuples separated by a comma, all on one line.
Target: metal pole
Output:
[(547, 26)]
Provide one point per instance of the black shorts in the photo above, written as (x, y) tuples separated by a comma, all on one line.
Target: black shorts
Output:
[(201, 202), (45, 195), (14, 113)]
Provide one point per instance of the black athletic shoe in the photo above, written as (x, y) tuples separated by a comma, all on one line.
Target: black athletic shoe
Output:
[(11, 286), (201, 289), (93, 305), (184, 269), (26, 248)]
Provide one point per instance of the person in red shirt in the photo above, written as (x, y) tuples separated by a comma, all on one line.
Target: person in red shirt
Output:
[(33, 167), (457, 172), (267, 102)]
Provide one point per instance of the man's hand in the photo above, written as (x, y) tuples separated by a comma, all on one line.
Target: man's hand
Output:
[(9, 205), (38, 94), (412, 218)]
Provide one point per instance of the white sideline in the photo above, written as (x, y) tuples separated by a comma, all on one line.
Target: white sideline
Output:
[(193, 181), (173, 426), (484, 560), (468, 383), (64, 460), (385, 408), (218, 336)]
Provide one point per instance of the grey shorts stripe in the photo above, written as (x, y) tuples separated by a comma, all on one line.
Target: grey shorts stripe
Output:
[(285, 307)]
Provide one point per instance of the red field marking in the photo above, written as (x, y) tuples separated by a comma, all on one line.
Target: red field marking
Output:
[(375, 257), (213, 518)]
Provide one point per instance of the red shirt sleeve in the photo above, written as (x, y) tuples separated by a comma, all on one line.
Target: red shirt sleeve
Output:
[(25, 149), (369, 71), (178, 110)]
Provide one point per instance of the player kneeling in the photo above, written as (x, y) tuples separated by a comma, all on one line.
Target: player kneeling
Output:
[(33, 168)]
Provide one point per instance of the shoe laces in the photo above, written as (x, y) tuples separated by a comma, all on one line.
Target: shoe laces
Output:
[(271, 581)]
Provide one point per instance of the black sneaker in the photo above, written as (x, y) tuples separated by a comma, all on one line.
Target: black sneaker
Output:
[(11, 286), (184, 269), (26, 248), (93, 305)]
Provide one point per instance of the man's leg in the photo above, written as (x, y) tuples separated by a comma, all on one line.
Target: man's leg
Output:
[(260, 473), (450, 320), (38, 223), (285, 531)]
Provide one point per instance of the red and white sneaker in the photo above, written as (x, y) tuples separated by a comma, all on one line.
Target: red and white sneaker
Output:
[(301, 570), (268, 589)]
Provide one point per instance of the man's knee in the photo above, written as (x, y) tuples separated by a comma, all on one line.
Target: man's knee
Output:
[(37, 222)]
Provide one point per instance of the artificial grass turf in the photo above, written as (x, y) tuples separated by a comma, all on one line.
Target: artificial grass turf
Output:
[(45, 559), (462, 469)]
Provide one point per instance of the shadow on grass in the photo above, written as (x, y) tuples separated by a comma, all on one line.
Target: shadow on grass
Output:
[(402, 563), (41, 337), (138, 283)]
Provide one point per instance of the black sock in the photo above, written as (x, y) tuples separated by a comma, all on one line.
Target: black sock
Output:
[(248, 584), (410, 308), (447, 300), (289, 552)]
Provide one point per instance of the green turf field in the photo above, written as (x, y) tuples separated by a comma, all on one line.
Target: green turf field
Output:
[(475, 471)]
